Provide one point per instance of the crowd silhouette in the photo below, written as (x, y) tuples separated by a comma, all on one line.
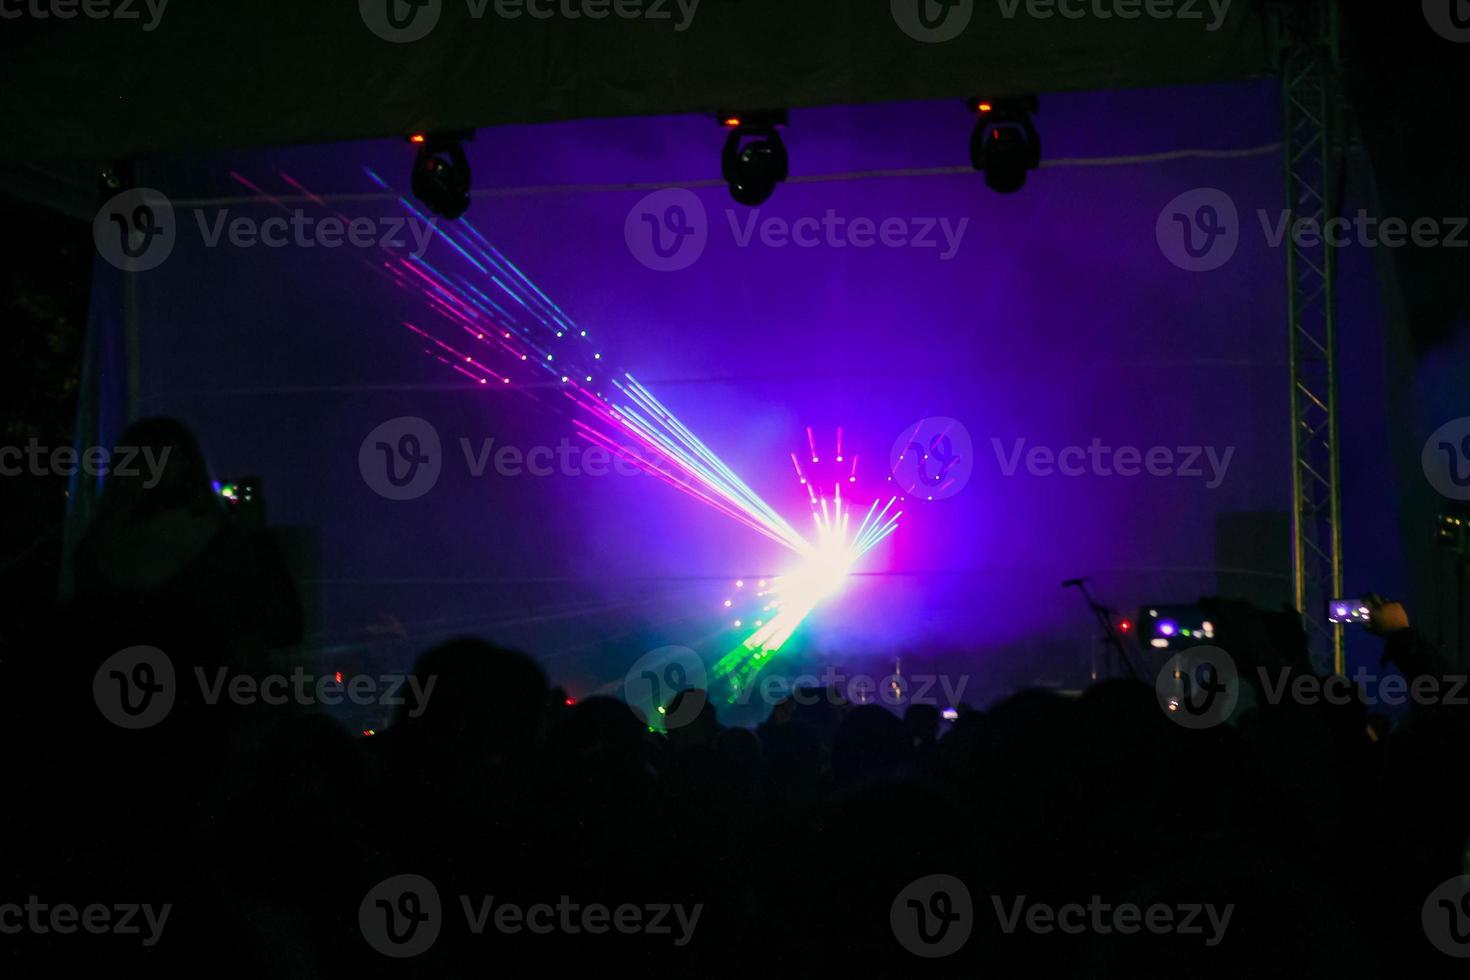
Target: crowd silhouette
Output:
[(263, 827)]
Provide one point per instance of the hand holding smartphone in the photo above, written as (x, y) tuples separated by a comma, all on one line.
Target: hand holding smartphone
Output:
[(1349, 611)]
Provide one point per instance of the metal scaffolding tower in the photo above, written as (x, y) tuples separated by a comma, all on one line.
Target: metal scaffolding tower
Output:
[(1307, 51)]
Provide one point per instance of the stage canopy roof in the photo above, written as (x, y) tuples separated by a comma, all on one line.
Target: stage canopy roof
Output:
[(186, 78), (204, 77)]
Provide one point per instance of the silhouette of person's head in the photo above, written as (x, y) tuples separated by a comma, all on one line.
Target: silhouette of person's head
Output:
[(922, 722), (870, 742), (168, 472), (598, 738), (476, 698), (702, 724)]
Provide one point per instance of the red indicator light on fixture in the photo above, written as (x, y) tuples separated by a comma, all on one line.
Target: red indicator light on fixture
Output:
[(1125, 626), (417, 138), (732, 121), (985, 107)]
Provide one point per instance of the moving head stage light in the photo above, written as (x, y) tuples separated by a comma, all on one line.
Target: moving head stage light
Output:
[(754, 160), (1005, 143), (441, 173)]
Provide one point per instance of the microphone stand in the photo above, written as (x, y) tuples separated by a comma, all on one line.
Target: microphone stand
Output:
[(1105, 619)]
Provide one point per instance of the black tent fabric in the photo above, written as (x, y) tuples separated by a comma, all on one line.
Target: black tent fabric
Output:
[(165, 78), (273, 72), (1407, 89)]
